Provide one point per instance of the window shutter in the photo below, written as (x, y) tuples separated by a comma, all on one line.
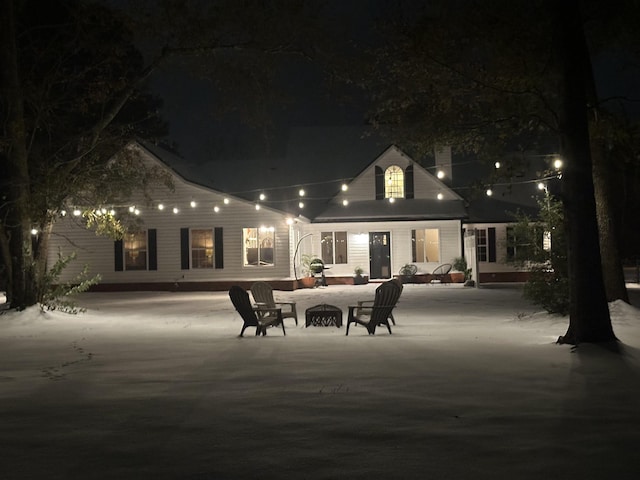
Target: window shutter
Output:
[(408, 182), (217, 246), (118, 255), (184, 248), (379, 183), (153, 249), (491, 233)]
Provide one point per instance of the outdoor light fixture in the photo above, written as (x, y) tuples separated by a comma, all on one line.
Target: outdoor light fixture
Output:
[(497, 164), (289, 221), (226, 201), (216, 209), (112, 212), (77, 212), (541, 186), (440, 174), (103, 210), (262, 196), (132, 208), (301, 192), (193, 204), (392, 200), (345, 202), (257, 206), (175, 210), (301, 204), (345, 187), (489, 192), (440, 196), (557, 164), (136, 211), (160, 206), (63, 213), (34, 231)]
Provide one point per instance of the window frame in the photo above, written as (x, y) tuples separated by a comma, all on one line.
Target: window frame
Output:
[(127, 249), (329, 251), (394, 182), (192, 249), (415, 248), (263, 236)]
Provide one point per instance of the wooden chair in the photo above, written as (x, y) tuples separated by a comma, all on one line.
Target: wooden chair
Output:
[(385, 300), (263, 296), (364, 305), (261, 318)]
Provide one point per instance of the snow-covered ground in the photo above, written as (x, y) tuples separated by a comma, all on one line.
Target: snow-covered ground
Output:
[(471, 385)]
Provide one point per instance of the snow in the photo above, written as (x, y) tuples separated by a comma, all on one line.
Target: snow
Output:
[(470, 385)]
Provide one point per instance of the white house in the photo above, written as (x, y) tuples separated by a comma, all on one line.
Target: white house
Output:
[(393, 212)]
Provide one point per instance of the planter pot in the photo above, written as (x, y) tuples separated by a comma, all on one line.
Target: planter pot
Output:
[(360, 280), (306, 282), (407, 278)]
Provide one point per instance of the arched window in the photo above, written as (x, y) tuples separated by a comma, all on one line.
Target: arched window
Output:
[(394, 182)]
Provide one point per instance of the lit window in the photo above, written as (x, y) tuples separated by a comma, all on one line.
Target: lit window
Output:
[(135, 251), (258, 246), (334, 247), (394, 182), (425, 245), (202, 248)]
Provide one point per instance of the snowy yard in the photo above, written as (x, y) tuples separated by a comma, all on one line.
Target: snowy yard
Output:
[(471, 385)]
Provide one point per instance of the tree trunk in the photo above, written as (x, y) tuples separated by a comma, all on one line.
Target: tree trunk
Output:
[(20, 289), (612, 272), (589, 319)]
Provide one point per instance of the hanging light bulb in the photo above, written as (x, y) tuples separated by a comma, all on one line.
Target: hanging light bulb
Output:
[(498, 165), (440, 174), (489, 192), (301, 192), (216, 209), (176, 210), (345, 202), (193, 204), (226, 201), (160, 206), (440, 196), (345, 187)]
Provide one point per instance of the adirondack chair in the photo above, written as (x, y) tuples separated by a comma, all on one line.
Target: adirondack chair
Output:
[(364, 305), (263, 296), (254, 317), (385, 300)]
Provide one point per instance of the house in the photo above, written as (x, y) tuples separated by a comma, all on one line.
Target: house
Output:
[(391, 212)]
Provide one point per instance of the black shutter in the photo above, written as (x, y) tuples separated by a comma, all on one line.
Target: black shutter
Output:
[(118, 255), (217, 246), (379, 183), (153, 249), (184, 248), (491, 241), (408, 182)]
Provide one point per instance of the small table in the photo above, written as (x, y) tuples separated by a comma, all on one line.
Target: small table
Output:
[(323, 315)]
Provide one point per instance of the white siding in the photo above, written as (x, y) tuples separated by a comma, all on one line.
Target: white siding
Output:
[(358, 243), (98, 252)]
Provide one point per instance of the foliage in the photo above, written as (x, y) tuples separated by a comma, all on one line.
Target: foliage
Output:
[(408, 269), (460, 264), (55, 295), (548, 283), (358, 271), (309, 262)]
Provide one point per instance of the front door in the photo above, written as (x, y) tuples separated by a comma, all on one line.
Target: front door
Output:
[(379, 255)]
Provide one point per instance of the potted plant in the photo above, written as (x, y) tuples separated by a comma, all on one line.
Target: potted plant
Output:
[(460, 264), (309, 264), (408, 272), (358, 277)]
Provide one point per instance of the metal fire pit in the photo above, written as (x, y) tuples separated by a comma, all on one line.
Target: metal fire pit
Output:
[(323, 315)]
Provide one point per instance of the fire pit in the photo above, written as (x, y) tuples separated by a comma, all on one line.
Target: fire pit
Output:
[(323, 315)]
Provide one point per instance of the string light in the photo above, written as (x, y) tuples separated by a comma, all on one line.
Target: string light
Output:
[(345, 202), (301, 192), (262, 196), (440, 196), (489, 192), (344, 187), (216, 209), (193, 204), (160, 206)]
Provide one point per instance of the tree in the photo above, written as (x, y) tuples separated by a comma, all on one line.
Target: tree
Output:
[(496, 78), (72, 95)]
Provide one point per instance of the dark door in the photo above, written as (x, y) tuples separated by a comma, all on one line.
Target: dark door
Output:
[(379, 255)]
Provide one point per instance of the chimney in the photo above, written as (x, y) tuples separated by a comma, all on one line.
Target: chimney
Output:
[(443, 163)]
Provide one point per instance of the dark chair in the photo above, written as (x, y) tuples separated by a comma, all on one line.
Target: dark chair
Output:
[(263, 297), (254, 317), (441, 273), (364, 305), (385, 300)]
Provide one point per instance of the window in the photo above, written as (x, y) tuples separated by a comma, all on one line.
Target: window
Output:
[(202, 248), (526, 244), (394, 182), (258, 246), (135, 251), (426, 245), (481, 242), (334, 247)]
